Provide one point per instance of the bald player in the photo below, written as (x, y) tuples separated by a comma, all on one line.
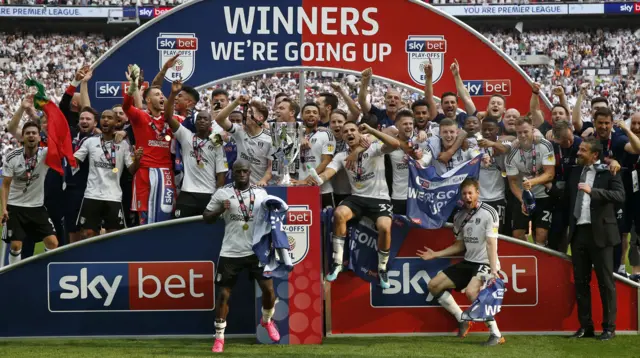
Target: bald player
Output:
[(392, 102)]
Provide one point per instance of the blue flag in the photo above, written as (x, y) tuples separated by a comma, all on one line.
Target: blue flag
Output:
[(231, 152), (432, 198), (488, 303)]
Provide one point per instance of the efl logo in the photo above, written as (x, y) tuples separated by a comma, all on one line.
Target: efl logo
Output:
[(421, 49), (114, 89), (131, 286), (409, 278), (484, 88), (185, 44), (298, 220)]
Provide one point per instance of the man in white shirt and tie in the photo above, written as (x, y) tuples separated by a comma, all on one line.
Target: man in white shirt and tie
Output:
[(592, 193)]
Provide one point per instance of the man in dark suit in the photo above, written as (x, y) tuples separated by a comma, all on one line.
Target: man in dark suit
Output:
[(592, 193)]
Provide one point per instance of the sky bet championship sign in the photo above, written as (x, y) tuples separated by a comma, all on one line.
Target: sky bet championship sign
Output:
[(218, 39)]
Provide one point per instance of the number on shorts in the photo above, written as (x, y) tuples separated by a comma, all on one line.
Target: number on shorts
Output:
[(546, 215), (386, 207), (484, 270)]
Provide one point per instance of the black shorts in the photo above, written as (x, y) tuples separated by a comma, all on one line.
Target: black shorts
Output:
[(462, 273), (32, 223), (73, 202), (191, 204), (369, 207), (98, 214), (230, 267), (339, 198), (540, 218), (501, 208), (399, 206)]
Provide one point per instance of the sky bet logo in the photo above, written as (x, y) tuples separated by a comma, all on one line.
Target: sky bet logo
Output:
[(486, 88), (629, 8), (114, 89), (409, 278), (176, 43), (131, 286)]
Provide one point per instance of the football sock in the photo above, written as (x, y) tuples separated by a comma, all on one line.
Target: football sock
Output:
[(446, 300), (15, 257), (220, 326), (493, 328), (267, 314), (383, 258), (338, 248)]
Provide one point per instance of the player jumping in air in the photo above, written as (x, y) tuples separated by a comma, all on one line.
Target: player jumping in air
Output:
[(476, 231)]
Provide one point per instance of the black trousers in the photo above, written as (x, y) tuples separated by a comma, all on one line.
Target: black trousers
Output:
[(584, 253)]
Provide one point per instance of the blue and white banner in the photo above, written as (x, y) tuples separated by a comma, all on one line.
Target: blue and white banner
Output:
[(60, 11), (506, 10), (432, 198), (488, 303)]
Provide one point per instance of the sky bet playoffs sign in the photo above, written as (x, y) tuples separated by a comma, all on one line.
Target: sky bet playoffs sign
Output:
[(217, 39)]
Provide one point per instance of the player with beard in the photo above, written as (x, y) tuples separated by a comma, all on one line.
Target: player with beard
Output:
[(370, 194), (398, 160), (101, 207), (317, 151), (154, 183), (565, 146), (559, 111), (449, 101), (614, 150), (478, 239), (581, 127), (421, 113), (205, 164), (529, 167), (392, 102), (253, 143), (22, 194), (326, 103), (340, 182), (447, 140), (235, 204)]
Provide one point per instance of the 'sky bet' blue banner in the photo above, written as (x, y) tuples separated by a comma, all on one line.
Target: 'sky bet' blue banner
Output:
[(432, 198)]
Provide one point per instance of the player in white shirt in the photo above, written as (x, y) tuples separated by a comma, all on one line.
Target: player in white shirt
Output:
[(316, 151), (205, 164), (23, 210), (101, 206), (449, 138), (370, 194), (340, 181), (253, 143), (529, 167), (235, 204), (476, 230)]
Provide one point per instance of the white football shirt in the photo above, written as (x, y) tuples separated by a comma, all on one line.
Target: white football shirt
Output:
[(400, 171), (321, 143), (196, 179), (520, 163), (256, 150), (460, 156), (236, 242), (491, 181), (103, 183), (15, 167), (340, 181), (475, 232), (372, 182)]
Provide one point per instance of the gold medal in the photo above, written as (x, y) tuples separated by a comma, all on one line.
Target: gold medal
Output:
[(201, 165), (359, 185), (167, 138), (245, 227), (504, 174), (114, 170)]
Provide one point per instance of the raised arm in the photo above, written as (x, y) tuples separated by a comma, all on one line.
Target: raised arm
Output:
[(390, 143), (223, 116), (469, 106), (428, 90), (85, 101), (176, 87), (534, 106), (633, 147), (364, 90), (576, 117), (159, 79), (354, 110)]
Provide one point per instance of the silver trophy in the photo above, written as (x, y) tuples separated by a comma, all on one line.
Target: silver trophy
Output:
[(286, 138)]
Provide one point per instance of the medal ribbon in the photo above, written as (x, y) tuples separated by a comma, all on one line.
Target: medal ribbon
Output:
[(359, 167), (159, 134), (470, 214), (243, 208), (111, 156), (197, 147), (534, 159), (30, 164)]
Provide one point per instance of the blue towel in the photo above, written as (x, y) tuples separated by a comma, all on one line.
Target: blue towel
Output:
[(488, 303), (270, 242)]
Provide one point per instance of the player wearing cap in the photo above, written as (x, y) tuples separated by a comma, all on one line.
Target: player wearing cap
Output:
[(235, 204), (476, 230), (205, 164), (23, 210)]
